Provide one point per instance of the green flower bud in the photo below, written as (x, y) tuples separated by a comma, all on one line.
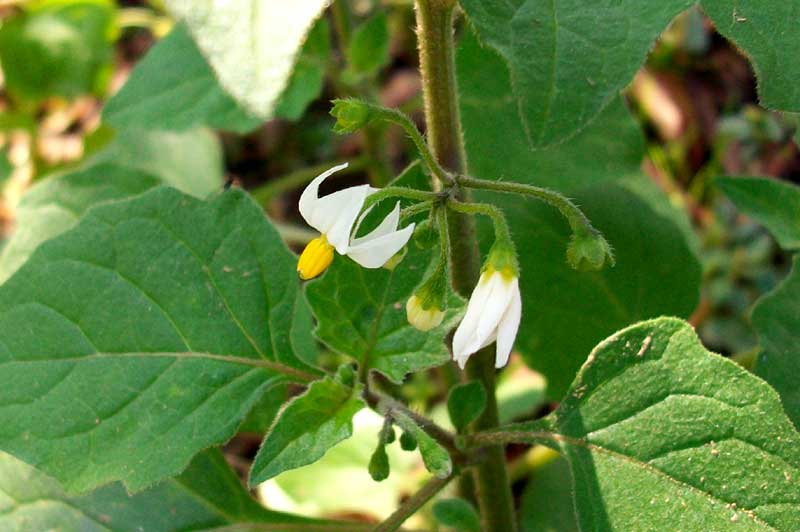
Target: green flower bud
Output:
[(351, 115), (588, 251), (425, 235), (425, 308), (379, 464), (408, 442)]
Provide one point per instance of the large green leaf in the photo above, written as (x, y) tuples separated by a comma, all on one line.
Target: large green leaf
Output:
[(57, 48), (569, 59), (304, 431), (770, 202), (608, 149), (56, 204), (251, 45), (660, 434), (776, 318), (143, 336), (174, 88), (767, 32), (207, 496)]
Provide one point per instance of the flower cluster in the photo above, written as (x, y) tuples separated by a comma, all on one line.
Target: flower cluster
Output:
[(334, 217), (494, 309)]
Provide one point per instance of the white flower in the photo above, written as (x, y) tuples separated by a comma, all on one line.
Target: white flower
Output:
[(334, 216), (493, 313)]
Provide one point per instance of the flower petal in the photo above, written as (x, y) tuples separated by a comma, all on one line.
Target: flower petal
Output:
[(310, 195), (388, 225), (372, 252), (496, 304), (336, 213), (509, 325), (466, 340)]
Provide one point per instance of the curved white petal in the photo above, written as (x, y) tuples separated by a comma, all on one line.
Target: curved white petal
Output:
[(466, 340), (336, 213), (387, 226), (502, 290), (372, 252), (509, 325), (310, 195)]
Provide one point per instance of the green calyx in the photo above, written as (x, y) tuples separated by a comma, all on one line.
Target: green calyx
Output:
[(589, 251), (502, 258), (432, 293), (351, 115)]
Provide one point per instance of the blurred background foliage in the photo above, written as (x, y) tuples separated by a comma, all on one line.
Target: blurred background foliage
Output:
[(61, 60)]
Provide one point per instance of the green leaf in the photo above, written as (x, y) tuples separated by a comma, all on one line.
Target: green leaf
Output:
[(775, 319), (368, 50), (465, 403), (190, 160), (547, 500), (767, 33), (497, 148), (566, 312), (568, 59), (266, 410), (304, 431), (159, 323), (207, 495), (660, 434), (772, 203), (306, 83), (56, 204), (434, 456), (457, 514), (173, 88), (58, 48), (361, 314), (251, 45)]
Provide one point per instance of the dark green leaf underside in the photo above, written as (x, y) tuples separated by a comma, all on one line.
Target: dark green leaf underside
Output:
[(773, 203)]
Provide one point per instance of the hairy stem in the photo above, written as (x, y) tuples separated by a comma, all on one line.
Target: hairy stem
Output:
[(577, 220), (437, 65), (412, 504)]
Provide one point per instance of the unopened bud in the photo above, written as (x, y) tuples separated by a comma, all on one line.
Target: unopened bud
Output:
[(351, 115), (589, 251)]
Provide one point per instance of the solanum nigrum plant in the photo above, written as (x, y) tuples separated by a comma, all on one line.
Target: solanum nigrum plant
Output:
[(149, 316)]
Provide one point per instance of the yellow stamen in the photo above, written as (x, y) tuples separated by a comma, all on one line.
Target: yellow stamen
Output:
[(315, 259)]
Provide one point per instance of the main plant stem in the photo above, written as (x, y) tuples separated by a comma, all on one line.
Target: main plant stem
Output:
[(435, 33)]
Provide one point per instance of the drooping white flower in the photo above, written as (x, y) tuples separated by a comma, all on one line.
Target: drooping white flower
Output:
[(334, 216), (493, 314)]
